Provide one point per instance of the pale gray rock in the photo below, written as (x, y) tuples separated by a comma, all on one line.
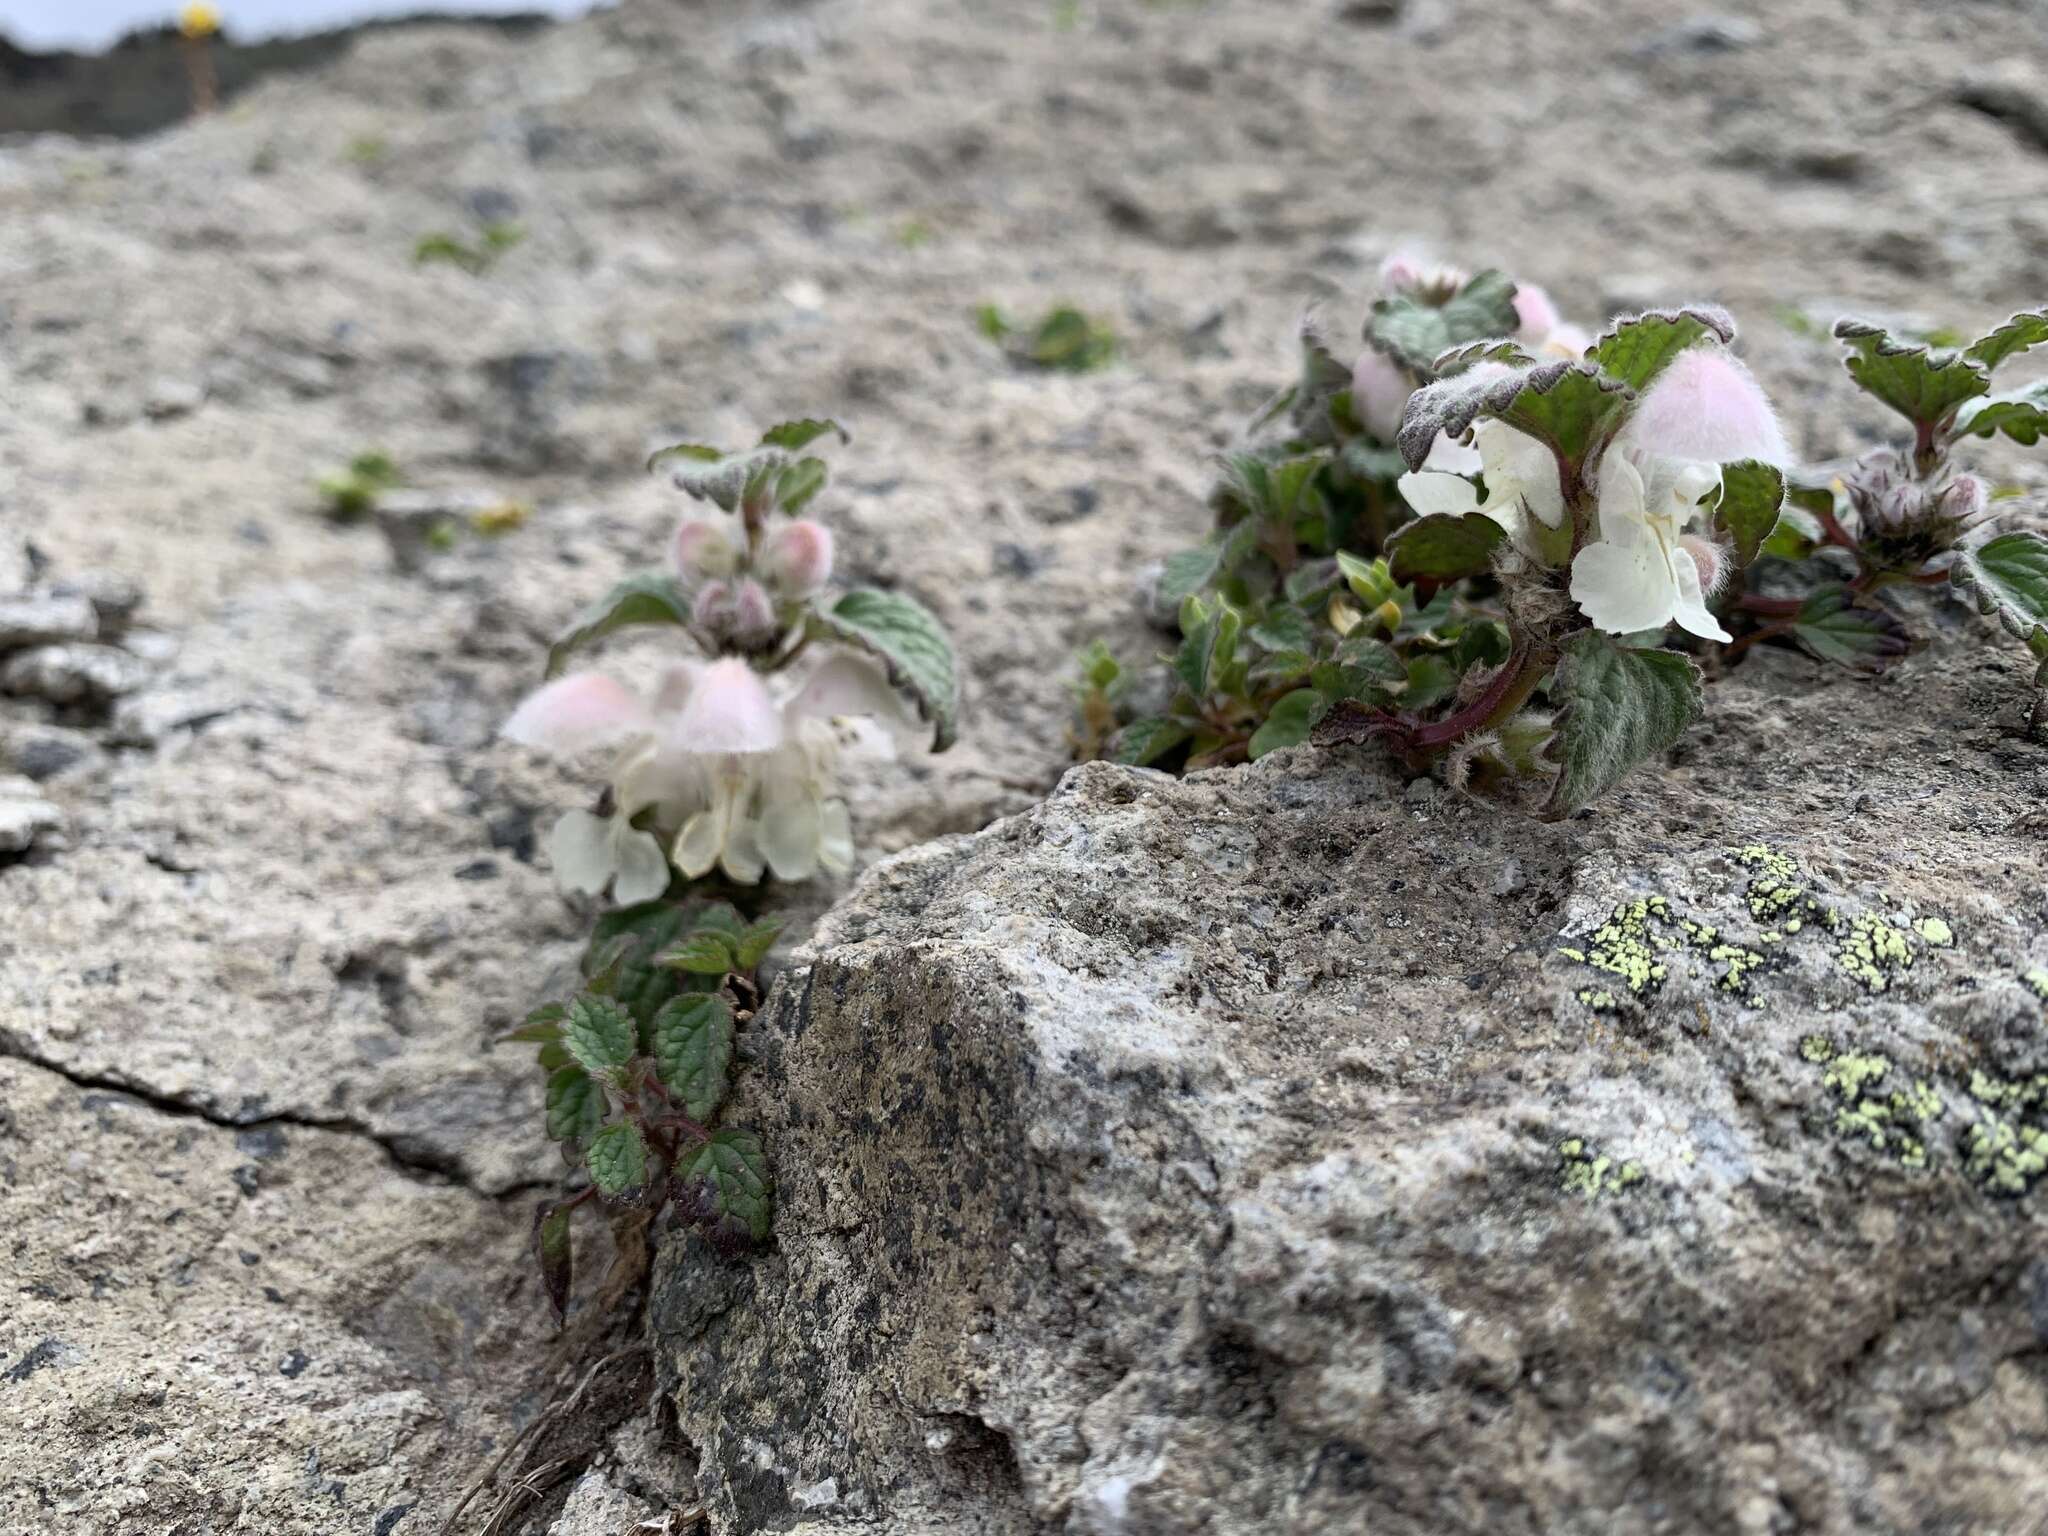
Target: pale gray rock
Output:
[(44, 619), (73, 673), (25, 815)]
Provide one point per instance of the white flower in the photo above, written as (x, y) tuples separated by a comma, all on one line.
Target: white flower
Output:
[(1521, 482), (745, 783), (1706, 405), (1640, 576)]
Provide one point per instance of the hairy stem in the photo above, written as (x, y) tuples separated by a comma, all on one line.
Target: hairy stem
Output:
[(1507, 692)]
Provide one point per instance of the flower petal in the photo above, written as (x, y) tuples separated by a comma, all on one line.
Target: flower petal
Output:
[(576, 713), (699, 844), (729, 711), (580, 848), (835, 838), (1448, 456), (1429, 492), (1623, 587), (1690, 604), (1706, 405), (1380, 388), (1516, 465), (643, 868), (847, 686)]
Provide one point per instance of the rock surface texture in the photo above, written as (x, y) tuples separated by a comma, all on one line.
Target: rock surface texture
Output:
[(1289, 1150), (269, 887)]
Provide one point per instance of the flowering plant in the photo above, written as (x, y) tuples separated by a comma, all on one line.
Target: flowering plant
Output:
[(720, 776), (1472, 544)]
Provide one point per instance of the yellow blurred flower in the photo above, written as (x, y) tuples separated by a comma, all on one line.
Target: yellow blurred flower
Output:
[(198, 20)]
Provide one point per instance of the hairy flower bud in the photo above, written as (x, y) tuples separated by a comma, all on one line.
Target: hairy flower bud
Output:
[(703, 549), (1965, 499), (1539, 316), (1379, 393), (799, 559), (1705, 406), (753, 614), (1709, 559), (1409, 271)]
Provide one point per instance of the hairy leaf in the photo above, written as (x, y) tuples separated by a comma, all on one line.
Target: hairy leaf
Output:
[(1444, 546), (1147, 740), (1362, 669), (618, 1159), (909, 641), (753, 942), (1923, 385), (628, 941), (2008, 577), (693, 1051), (723, 479), (1618, 707), (541, 1026), (2021, 414), (1415, 334), (1833, 626), (1188, 571), (551, 1249), (1572, 407), (798, 483), (575, 1105), (731, 1193), (1293, 716), (1208, 647), (599, 1034), (795, 435), (2024, 330), (1284, 629), (1752, 497), (702, 953), (648, 598), (1637, 348)]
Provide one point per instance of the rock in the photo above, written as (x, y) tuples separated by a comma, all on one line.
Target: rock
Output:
[(418, 523), (74, 674), (1247, 1153), (1704, 34), (43, 752), (168, 399), (596, 1508), (44, 619), (24, 815), (115, 599), (2011, 93)]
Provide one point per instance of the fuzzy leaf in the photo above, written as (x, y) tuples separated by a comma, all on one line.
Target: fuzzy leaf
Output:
[(1188, 571), (1443, 546), (551, 1250), (1831, 625), (599, 1034), (618, 1159), (701, 954), (1415, 334), (732, 1194), (1752, 497), (1619, 708), (1284, 629), (693, 1051), (797, 484), (2008, 577), (723, 479), (1639, 347), (542, 1025), (1147, 740), (1923, 385), (754, 942), (796, 435), (909, 641), (1362, 669), (1429, 680), (575, 1105), (1289, 723), (1277, 667), (1572, 407), (648, 598), (2024, 330), (2021, 414), (1496, 350), (627, 943), (1208, 648)]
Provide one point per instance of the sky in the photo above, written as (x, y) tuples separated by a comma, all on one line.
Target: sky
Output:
[(78, 24)]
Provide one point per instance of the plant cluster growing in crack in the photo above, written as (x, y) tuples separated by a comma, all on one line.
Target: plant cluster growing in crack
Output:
[(1471, 544), (723, 780)]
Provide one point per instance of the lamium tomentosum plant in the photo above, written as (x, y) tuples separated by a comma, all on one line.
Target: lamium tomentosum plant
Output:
[(1472, 544), (722, 779)]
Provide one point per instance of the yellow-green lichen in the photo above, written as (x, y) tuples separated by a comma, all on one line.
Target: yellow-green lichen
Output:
[(1935, 931), (2037, 982), (1593, 1174), (2006, 1147), (1625, 945), (1873, 951), (1890, 1122)]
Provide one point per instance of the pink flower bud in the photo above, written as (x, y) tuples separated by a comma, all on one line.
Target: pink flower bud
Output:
[(713, 607), (575, 714), (1965, 498), (729, 710), (703, 548), (1409, 271), (1538, 315), (1708, 559), (753, 614), (1379, 392), (800, 557), (1706, 406)]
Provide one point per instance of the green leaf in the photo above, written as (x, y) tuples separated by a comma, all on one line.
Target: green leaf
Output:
[(1832, 626), (1638, 348), (627, 941), (2008, 577), (2021, 414), (618, 1159), (575, 1105), (1147, 740), (1289, 724), (1415, 334), (1752, 497), (693, 1051), (541, 1026), (2024, 330), (1923, 385), (1618, 707), (909, 641), (1277, 667), (651, 597), (1284, 629), (1482, 643), (1188, 571), (702, 953), (599, 1034), (552, 1056), (1429, 680), (1443, 546), (1069, 340), (732, 1195), (754, 943), (551, 1250), (797, 484), (796, 435), (1364, 669), (1799, 530), (1209, 646), (1571, 407), (723, 479)]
